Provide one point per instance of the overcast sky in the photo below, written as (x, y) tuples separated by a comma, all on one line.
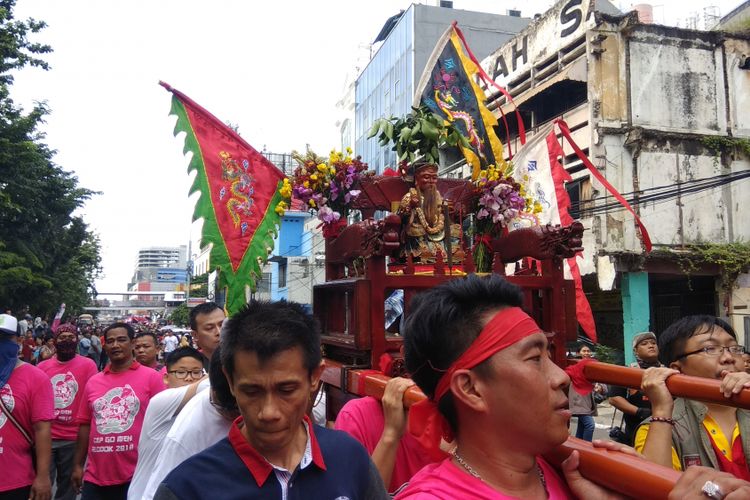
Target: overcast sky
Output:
[(275, 69)]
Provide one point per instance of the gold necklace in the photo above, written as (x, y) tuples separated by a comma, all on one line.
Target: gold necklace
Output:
[(474, 473), (438, 227)]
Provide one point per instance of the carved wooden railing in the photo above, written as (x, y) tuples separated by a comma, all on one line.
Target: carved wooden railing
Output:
[(625, 474)]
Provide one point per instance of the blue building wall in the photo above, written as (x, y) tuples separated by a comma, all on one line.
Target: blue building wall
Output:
[(289, 243)]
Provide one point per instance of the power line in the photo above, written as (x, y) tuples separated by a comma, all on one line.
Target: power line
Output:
[(659, 194)]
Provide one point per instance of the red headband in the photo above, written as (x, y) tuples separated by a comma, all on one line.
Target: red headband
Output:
[(506, 328)]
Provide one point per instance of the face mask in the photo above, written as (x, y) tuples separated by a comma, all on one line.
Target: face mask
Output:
[(66, 349), (8, 357)]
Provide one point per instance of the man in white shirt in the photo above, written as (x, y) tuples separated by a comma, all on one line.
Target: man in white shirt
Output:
[(184, 376), (203, 421), (170, 343)]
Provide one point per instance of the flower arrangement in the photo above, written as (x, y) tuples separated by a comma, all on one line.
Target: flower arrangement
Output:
[(499, 200), (328, 186)]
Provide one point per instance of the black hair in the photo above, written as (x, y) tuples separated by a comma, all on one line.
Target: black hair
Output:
[(148, 334), (222, 394), (182, 352), (444, 321), (126, 326), (268, 328), (205, 308), (672, 340)]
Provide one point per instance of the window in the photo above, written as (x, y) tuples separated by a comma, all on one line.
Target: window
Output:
[(282, 275), (579, 192), (264, 285)]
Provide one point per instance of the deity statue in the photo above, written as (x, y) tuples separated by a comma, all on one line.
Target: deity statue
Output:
[(423, 215)]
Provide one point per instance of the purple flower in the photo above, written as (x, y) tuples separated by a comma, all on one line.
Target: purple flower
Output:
[(351, 195), (328, 216)]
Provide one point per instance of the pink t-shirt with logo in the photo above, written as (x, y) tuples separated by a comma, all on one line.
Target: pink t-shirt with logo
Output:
[(28, 396), (444, 480), (69, 380), (364, 420), (114, 405)]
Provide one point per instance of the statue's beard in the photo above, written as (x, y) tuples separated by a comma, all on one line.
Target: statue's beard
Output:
[(431, 205)]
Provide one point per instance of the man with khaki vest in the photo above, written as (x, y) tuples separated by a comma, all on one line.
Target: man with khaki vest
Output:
[(682, 432)]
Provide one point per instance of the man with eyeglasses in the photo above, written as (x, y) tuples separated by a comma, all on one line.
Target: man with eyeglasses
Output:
[(111, 417), (183, 377), (683, 432)]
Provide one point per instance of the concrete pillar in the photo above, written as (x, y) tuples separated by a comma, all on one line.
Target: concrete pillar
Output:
[(636, 312)]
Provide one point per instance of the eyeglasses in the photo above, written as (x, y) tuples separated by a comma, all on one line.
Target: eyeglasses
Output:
[(180, 374), (717, 350)]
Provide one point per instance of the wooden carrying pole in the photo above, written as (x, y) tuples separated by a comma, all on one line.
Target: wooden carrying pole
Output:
[(681, 386), (625, 474)]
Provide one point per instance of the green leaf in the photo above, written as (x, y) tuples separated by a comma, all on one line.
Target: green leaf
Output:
[(430, 131), (405, 134), (389, 130), (375, 129)]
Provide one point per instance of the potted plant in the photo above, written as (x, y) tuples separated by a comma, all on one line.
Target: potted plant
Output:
[(419, 134)]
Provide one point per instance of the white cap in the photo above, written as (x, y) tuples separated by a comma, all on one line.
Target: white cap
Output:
[(8, 324)]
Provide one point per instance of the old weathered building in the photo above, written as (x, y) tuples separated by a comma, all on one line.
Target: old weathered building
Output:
[(664, 114)]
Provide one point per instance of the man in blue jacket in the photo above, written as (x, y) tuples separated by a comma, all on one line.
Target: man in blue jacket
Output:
[(270, 355)]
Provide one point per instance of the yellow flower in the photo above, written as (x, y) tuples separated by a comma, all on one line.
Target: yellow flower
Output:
[(312, 203), (286, 189), (333, 170), (281, 208), (322, 167), (349, 150), (314, 177), (306, 184)]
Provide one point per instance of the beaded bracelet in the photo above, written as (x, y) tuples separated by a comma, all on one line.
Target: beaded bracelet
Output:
[(666, 420)]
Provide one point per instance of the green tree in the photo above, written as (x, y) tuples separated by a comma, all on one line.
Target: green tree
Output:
[(47, 254), (180, 316), (199, 285)]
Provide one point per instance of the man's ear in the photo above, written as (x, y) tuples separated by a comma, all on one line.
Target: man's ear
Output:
[(315, 376), (676, 365), (466, 388)]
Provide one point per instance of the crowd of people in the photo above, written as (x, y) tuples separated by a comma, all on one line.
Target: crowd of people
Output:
[(237, 414)]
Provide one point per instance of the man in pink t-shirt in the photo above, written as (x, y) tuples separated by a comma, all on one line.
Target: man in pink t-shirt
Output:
[(68, 373), (27, 396), (493, 392), (110, 418), (380, 429)]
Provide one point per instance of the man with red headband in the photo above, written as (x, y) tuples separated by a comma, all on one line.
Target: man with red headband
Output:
[(494, 393)]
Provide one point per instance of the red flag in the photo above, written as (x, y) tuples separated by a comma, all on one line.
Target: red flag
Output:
[(241, 197), (584, 315)]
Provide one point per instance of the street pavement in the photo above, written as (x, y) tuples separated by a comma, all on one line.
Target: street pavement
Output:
[(603, 421)]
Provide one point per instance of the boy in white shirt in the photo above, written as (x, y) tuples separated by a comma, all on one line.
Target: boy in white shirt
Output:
[(184, 376)]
